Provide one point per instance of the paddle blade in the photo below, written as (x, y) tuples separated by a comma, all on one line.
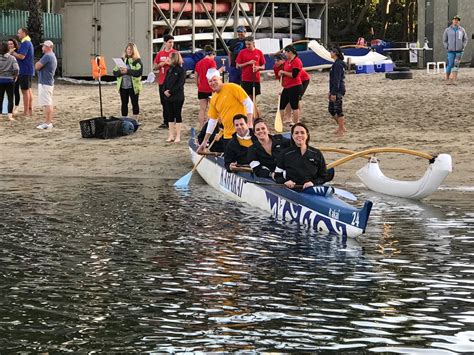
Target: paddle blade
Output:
[(184, 181), (278, 122), (346, 194)]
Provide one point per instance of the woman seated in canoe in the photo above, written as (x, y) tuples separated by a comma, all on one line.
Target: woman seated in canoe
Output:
[(301, 166), (265, 150)]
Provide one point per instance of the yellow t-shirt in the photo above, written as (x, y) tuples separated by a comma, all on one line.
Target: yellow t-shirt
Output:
[(225, 104)]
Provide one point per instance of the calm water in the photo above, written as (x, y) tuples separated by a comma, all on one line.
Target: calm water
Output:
[(111, 265)]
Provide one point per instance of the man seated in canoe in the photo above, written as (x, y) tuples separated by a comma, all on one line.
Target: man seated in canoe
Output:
[(263, 154), (236, 151), (301, 166), (217, 146), (227, 100)]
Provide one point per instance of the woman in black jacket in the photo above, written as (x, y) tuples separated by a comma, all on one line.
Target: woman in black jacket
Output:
[(301, 166), (173, 90), (266, 148), (337, 89)]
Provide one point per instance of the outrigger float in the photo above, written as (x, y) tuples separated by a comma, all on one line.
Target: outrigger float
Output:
[(316, 207), (373, 178)]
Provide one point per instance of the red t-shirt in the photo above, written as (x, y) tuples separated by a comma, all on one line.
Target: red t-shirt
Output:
[(201, 70), (288, 81), (304, 75), (276, 70), (246, 55), (161, 56)]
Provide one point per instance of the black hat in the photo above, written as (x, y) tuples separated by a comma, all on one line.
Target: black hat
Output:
[(167, 37), (279, 56)]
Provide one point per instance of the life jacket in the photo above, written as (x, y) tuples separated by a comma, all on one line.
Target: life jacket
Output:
[(99, 68)]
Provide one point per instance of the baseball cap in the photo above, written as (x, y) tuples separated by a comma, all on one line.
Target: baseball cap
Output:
[(48, 43), (456, 17), (211, 73), (241, 29)]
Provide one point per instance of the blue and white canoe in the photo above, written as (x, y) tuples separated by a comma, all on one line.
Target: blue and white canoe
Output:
[(320, 210)]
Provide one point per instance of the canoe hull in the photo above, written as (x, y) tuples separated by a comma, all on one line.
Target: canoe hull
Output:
[(324, 214)]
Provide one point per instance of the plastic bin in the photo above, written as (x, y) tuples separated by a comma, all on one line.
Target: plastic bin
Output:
[(384, 67), (101, 127), (365, 68)]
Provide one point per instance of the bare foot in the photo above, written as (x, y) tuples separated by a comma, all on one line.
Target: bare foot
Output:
[(170, 139), (177, 140)]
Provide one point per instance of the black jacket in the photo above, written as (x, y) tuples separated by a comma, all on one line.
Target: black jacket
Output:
[(301, 168), (174, 82), (235, 153), (337, 85), (262, 163)]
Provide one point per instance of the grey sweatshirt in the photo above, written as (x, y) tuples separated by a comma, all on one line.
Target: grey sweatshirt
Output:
[(454, 41), (8, 66)]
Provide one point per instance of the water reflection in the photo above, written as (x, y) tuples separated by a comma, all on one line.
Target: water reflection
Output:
[(105, 265)]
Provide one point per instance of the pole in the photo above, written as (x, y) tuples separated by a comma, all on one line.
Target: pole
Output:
[(100, 86)]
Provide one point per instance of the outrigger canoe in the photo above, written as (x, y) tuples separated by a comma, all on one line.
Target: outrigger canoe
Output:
[(320, 209)]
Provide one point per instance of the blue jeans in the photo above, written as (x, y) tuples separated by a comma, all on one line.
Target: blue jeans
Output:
[(454, 61)]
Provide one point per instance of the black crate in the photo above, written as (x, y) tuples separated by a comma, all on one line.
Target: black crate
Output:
[(112, 128), (90, 128)]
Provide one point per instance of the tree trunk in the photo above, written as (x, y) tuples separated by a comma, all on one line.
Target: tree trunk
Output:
[(35, 21)]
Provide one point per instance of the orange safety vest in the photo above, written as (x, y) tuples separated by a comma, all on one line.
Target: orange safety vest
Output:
[(98, 67)]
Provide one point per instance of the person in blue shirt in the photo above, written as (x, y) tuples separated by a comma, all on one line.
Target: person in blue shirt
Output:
[(337, 90), (26, 61), (46, 68), (454, 40), (235, 46)]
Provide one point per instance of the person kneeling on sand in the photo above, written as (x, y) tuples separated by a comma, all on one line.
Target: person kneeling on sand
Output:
[(46, 68)]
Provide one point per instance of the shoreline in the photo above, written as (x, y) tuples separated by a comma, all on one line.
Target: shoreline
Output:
[(422, 114)]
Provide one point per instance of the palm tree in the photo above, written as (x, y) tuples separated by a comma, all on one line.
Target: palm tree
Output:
[(35, 21)]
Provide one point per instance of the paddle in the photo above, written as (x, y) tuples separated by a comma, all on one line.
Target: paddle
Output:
[(256, 114), (278, 120), (184, 181), (314, 190)]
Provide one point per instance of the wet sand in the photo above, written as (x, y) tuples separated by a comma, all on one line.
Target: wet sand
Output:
[(422, 114)]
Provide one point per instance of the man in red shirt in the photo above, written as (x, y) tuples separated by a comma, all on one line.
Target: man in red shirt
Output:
[(251, 60), (204, 90), (161, 64)]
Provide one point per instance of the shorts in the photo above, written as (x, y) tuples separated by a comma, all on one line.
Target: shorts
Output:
[(292, 96), (248, 88), (335, 108), (304, 84), (25, 81), (45, 95), (204, 95)]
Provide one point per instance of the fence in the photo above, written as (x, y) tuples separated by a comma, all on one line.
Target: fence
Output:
[(11, 20)]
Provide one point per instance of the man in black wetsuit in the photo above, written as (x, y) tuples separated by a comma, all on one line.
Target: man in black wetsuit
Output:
[(237, 148)]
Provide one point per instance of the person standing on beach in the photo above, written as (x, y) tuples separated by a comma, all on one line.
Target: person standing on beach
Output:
[(454, 40), (129, 80), (26, 60), (204, 90), (227, 100), (8, 73), (161, 64), (337, 90), (292, 86), (46, 68), (13, 47), (251, 60), (173, 91), (235, 46)]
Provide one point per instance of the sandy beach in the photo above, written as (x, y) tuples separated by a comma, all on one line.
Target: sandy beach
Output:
[(422, 114)]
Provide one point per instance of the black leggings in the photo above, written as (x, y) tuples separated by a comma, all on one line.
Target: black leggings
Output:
[(17, 93), (174, 108), (8, 88), (124, 95), (164, 105)]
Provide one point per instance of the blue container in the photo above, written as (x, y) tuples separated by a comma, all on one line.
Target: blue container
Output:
[(365, 69), (384, 67)]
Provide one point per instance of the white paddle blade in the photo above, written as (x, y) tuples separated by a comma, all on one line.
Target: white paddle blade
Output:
[(278, 122), (346, 194), (184, 181)]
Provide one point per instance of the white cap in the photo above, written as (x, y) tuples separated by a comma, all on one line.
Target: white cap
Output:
[(212, 72), (48, 43)]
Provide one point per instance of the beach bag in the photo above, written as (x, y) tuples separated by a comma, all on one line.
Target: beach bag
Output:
[(133, 121)]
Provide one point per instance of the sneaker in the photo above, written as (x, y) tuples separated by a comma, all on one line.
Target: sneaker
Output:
[(163, 126), (45, 126)]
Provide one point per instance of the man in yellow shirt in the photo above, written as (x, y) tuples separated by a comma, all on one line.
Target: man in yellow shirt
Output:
[(227, 100)]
